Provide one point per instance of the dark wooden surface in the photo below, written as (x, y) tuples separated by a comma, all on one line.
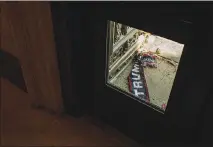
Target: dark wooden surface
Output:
[(29, 127), (27, 34)]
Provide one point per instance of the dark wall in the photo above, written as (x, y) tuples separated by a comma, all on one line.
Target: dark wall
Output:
[(86, 31), (207, 127), (191, 86), (75, 55)]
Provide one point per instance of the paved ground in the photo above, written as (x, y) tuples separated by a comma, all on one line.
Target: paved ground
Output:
[(121, 82), (168, 48), (159, 81)]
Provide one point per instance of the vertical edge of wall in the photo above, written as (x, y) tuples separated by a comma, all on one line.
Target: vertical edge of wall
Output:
[(27, 33), (63, 49), (66, 24)]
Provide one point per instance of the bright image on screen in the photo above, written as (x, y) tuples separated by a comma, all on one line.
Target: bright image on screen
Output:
[(142, 64)]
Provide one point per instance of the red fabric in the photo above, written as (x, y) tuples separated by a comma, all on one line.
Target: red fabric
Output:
[(163, 106)]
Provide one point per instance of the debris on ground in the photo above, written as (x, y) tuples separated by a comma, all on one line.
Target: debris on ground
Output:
[(147, 59), (171, 62), (158, 51)]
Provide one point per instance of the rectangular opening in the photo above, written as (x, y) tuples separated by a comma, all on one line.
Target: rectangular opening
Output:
[(141, 64)]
